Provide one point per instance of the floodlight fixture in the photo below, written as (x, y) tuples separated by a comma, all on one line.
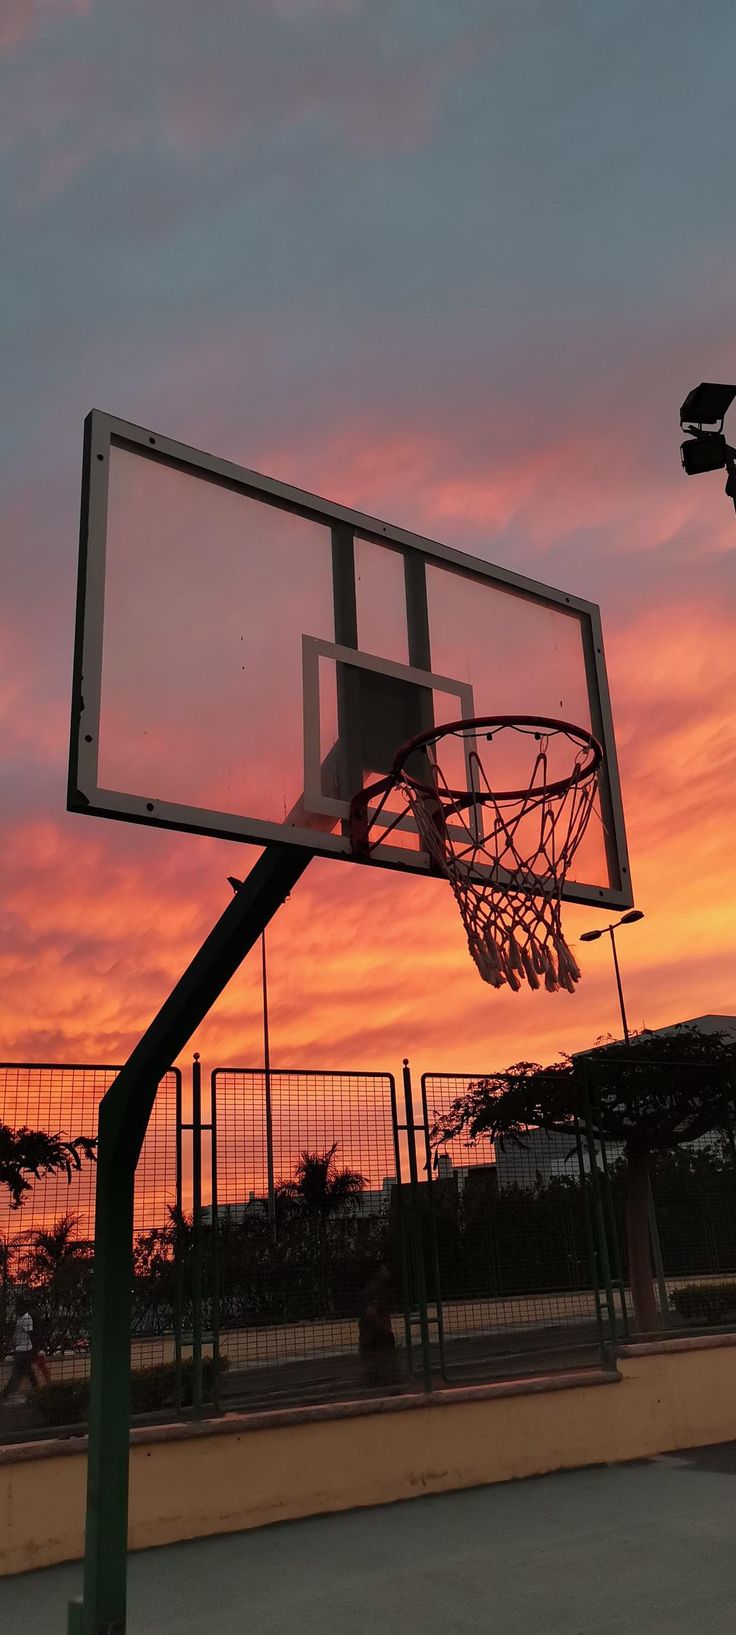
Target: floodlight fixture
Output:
[(590, 936), (705, 452), (701, 416), (706, 405), (633, 914)]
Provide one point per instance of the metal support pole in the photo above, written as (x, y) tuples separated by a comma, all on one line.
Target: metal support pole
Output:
[(215, 1254), (618, 1272), (622, 1006), (417, 1238), (590, 1236), (435, 1241), (267, 1087), (197, 1237), (401, 1220), (653, 1223), (178, 1267), (600, 1221), (123, 1118)]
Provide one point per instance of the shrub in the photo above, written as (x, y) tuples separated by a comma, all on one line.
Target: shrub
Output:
[(66, 1402), (706, 1303)]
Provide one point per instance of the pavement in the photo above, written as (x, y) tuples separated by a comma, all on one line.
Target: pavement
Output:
[(645, 1547)]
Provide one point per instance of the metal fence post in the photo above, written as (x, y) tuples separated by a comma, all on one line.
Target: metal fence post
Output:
[(197, 1236), (215, 1249), (401, 1216), (178, 1268), (599, 1215), (416, 1231), (618, 1269), (590, 1235), (433, 1231)]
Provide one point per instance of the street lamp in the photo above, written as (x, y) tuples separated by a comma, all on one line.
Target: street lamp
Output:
[(701, 417), (592, 936)]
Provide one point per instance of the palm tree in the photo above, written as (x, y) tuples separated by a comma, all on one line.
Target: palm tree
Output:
[(322, 1191), (59, 1268)]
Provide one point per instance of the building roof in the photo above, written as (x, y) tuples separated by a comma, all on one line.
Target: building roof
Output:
[(710, 1023)]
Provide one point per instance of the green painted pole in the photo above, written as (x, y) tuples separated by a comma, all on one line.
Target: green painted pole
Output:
[(590, 1236), (428, 1158), (600, 1222), (417, 1235), (123, 1119), (401, 1220), (215, 1249), (197, 1237), (109, 1411), (178, 1268)]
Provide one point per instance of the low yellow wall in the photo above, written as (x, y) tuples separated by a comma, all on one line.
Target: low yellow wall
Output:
[(244, 1472)]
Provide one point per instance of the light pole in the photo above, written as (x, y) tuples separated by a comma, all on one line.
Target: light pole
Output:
[(592, 936)]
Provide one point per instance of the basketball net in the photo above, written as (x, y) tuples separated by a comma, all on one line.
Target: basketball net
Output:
[(506, 854)]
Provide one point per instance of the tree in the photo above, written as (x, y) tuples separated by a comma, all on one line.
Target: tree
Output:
[(322, 1191), (28, 1153), (661, 1092), (59, 1270)]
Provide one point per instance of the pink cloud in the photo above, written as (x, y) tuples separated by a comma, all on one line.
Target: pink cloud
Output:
[(22, 21)]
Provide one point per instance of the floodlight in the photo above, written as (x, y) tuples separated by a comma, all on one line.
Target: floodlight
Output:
[(707, 405), (633, 914), (706, 452), (590, 936)]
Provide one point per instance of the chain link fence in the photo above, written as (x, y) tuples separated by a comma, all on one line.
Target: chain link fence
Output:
[(304, 1235), (515, 1243), (307, 1236), (47, 1248)]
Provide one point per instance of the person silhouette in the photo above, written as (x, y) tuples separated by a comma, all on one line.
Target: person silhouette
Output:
[(376, 1342), (23, 1350)]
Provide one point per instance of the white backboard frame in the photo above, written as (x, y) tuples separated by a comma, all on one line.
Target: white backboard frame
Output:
[(103, 431)]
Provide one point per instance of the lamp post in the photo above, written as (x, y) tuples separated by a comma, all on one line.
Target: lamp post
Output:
[(592, 936)]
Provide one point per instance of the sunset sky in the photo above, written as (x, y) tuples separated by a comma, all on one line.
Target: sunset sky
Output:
[(456, 265)]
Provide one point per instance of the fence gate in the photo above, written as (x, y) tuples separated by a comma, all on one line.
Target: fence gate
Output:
[(306, 1230)]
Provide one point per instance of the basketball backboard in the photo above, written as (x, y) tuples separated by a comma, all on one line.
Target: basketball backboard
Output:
[(248, 656)]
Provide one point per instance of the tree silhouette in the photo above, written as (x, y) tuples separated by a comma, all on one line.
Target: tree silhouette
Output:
[(58, 1267), (663, 1091), (321, 1191), (28, 1153)]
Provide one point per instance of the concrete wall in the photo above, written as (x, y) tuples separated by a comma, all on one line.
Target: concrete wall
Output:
[(246, 1471)]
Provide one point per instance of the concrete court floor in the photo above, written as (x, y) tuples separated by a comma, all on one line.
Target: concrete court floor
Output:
[(647, 1548)]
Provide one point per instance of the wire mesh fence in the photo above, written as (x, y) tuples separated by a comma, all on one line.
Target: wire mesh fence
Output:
[(305, 1227), (685, 1157), (301, 1236), (514, 1223), (47, 1248)]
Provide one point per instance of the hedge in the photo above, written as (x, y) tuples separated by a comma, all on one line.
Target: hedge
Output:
[(706, 1303), (66, 1402)]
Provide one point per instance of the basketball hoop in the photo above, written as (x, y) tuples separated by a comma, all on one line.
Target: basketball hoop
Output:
[(505, 852)]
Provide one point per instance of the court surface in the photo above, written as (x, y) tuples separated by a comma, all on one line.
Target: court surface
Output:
[(640, 1547)]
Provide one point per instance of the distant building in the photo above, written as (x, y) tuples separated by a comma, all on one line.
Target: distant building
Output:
[(704, 1024), (377, 1202), (544, 1156)]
